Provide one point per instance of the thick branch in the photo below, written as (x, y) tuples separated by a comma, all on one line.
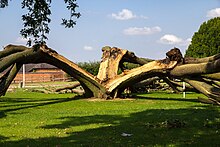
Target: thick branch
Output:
[(11, 49), (8, 77), (26, 56), (202, 60), (146, 82), (132, 58), (168, 81), (208, 90), (196, 69), (138, 74), (213, 76), (68, 87), (89, 83)]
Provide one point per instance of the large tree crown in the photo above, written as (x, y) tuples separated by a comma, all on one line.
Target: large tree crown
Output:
[(36, 20), (206, 42)]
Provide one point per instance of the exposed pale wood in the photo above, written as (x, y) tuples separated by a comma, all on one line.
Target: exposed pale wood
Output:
[(110, 63), (137, 74), (108, 84)]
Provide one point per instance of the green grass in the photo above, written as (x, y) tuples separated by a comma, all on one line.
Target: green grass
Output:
[(156, 119)]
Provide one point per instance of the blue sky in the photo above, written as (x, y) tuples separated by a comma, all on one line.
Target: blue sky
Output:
[(147, 27)]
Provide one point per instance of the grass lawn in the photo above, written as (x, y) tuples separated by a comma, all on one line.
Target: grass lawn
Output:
[(157, 119)]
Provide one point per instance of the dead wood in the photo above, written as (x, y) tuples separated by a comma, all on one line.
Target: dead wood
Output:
[(71, 87), (108, 83)]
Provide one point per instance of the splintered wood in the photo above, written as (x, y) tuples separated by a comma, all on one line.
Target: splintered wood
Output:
[(111, 58)]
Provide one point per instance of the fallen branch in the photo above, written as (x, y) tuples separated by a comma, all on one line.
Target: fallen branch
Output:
[(71, 87)]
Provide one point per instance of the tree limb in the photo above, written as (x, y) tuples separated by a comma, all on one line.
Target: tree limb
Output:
[(210, 91), (8, 77)]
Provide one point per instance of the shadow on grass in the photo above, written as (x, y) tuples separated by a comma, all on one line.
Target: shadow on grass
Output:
[(167, 99), (196, 126), (15, 104)]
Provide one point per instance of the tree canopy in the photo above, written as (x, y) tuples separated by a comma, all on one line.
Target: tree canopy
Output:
[(36, 20), (205, 42)]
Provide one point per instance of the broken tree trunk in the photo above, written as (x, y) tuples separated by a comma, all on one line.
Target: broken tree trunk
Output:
[(110, 84), (109, 66)]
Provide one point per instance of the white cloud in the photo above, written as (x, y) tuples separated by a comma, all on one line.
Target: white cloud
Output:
[(88, 48), (125, 14), (21, 40), (213, 13), (170, 39), (174, 40), (142, 31)]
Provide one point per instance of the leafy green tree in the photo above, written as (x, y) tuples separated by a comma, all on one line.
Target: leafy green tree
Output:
[(91, 67), (205, 42), (36, 21)]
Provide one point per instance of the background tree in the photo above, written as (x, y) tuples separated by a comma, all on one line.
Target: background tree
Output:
[(205, 42), (91, 67), (36, 20)]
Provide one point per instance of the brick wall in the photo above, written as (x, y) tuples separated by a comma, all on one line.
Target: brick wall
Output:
[(40, 77)]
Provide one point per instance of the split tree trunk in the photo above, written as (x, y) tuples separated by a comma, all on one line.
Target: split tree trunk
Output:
[(108, 83)]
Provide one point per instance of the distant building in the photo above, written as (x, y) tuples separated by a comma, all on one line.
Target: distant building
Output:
[(40, 73)]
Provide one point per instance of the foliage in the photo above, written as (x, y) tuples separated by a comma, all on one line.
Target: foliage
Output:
[(36, 21), (130, 66), (91, 67), (158, 119), (205, 42)]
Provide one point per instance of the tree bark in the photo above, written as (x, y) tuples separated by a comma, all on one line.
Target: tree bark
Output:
[(67, 87), (108, 84), (8, 77)]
